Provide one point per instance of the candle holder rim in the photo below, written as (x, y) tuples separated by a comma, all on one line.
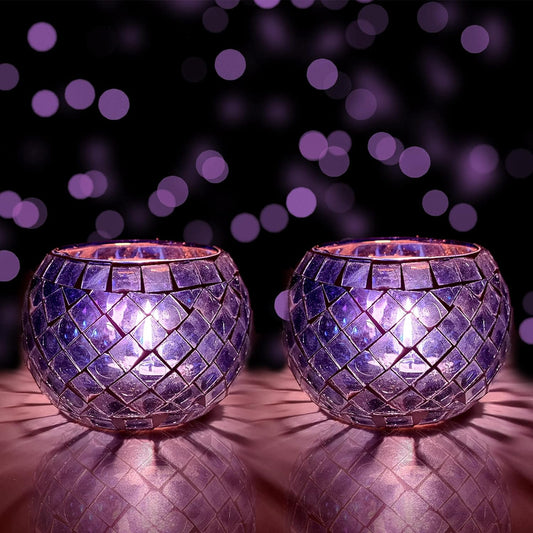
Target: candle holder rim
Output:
[(474, 249), (61, 251)]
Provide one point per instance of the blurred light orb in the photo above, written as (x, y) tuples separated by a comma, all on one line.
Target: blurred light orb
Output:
[(178, 189), (245, 227), (212, 166), (519, 163), (301, 202), (414, 162), (230, 64), (527, 303), (463, 217), (43, 212), (100, 183), (374, 140), (341, 139), (475, 39), (322, 74), (266, 4), (313, 144), (113, 104), (8, 201), (357, 38), (335, 162), (339, 197), (9, 76), (45, 103), (525, 330), (193, 69), (281, 305), (80, 186), (215, 19), (25, 214), (361, 104), (432, 17), (385, 148), (226, 4), (373, 19), (160, 203), (435, 202), (79, 94), (109, 224), (334, 5), (483, 158), (302, 4), (9, 265), (198, 231), (42, 36), (274, 218)]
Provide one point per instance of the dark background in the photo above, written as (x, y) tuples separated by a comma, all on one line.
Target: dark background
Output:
[(256, 122)]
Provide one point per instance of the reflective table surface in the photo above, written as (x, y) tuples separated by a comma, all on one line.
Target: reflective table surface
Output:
[(267, 459)]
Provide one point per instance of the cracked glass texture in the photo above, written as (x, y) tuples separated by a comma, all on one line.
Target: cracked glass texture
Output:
[(111, 356), (424, 330)]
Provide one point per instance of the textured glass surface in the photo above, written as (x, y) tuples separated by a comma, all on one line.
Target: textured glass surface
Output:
[(411, 334), (113, 356)]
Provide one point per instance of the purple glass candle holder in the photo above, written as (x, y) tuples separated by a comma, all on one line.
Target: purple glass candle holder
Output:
[(136, 335), (397, 332)]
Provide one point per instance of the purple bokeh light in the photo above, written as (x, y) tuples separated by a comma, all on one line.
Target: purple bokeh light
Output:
[(334, 5), (301, 202), (322, 74), (245, 227), (519, 163), (274, 218), (313, 145), (361, 104), (475, 39), (9, 76), (339, 197), (26, 214), (483, 158), (198, 231), (212, 166), (432, 17), (114, 104), (42, 36), (334, 162), (463, 217), (177, 188), (435, 202), (109, 224), (100, 182), (8, 201), (79, 94), (356, 37), (373, 19), (9, 265), (45, 103), (215, 19), (42, 209), (281, 305), (525, 330), (340, 139), (230, 64), (414, 162), (527, 302), (302, 4), (80, 186), (266, 4), (227, 4), (160, 203)]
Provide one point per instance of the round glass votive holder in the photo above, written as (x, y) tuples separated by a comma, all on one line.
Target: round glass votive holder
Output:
[(397, 332), (138, 334)]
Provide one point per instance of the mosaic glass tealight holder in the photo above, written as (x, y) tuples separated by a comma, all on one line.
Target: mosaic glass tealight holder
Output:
[(136, 335), (397, 332)]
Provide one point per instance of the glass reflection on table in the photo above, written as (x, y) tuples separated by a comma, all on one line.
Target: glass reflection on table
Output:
[(431, 481), (184, 480)]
